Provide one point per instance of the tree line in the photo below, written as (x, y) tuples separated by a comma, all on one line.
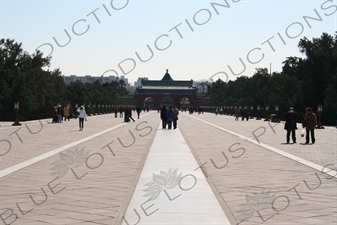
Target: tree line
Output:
[(303, 82), (26, 78)]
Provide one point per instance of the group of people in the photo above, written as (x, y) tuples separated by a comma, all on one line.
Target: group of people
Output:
[(169, 116), (309, 124), (128, 114), (59, 113), (244, 113)]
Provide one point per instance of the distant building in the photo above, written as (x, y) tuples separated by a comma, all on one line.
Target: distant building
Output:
[(92, 79), (138, 83), (126, 81), (155, 93)]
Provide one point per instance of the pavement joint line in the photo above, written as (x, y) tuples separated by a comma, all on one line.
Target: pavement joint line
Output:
[(29, 162), (312, 165)]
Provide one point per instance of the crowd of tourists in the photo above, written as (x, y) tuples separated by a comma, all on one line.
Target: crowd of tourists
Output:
[(169, 118)]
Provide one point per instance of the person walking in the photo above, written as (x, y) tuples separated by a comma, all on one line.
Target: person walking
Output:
[(309, 122), (116, 111), (138, 109), (66, 113), (121, 109), (128, 114), (163, 116), (175, 118), (290, 125), (247, 114), (242, 113), (59, 113), (169, 116), (237, 114), (54, 114), (82, 115)]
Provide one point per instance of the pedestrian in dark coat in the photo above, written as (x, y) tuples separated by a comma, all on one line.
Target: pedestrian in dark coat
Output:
[(121, 110), (54, 114), (247, 114), (59, 113), (116, 112), (128, 114), (310, 122), (290, 125), (176, 113), (170, 117), (138, 111), (163, 116), (243, 114)]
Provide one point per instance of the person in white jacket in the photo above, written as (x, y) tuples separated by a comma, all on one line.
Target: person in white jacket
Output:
[(82, 116)]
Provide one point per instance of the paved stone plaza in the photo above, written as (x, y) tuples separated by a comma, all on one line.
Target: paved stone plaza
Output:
[(212, 170)]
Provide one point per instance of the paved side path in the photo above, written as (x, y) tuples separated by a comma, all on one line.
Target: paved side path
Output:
[(257, 185), (86, 183)]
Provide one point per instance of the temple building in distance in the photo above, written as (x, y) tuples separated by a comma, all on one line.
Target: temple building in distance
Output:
[(156, 93)]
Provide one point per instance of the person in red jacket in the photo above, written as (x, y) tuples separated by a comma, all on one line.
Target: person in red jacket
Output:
[(310, 122)]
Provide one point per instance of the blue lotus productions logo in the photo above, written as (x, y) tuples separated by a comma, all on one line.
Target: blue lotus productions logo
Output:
[(161, 182), (68, 160), (254, 203)]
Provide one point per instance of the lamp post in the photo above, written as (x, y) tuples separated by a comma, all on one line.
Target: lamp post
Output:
[(258, 113), (277, 108), (251, 112), (16, 109), (267, 111), (319, 112)]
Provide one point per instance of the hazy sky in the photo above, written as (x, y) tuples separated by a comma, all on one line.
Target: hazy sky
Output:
[(193, 39)]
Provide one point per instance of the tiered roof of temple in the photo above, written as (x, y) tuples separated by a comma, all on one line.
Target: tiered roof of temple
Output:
[(167, 83)]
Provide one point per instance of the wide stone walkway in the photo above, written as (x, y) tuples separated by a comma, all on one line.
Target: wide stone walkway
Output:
[(211, 170)]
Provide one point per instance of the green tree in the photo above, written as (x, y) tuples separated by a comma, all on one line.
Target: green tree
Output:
[(24, 79)]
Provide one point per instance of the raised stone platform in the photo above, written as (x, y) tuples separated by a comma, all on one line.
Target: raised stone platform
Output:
[(211, 170)]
